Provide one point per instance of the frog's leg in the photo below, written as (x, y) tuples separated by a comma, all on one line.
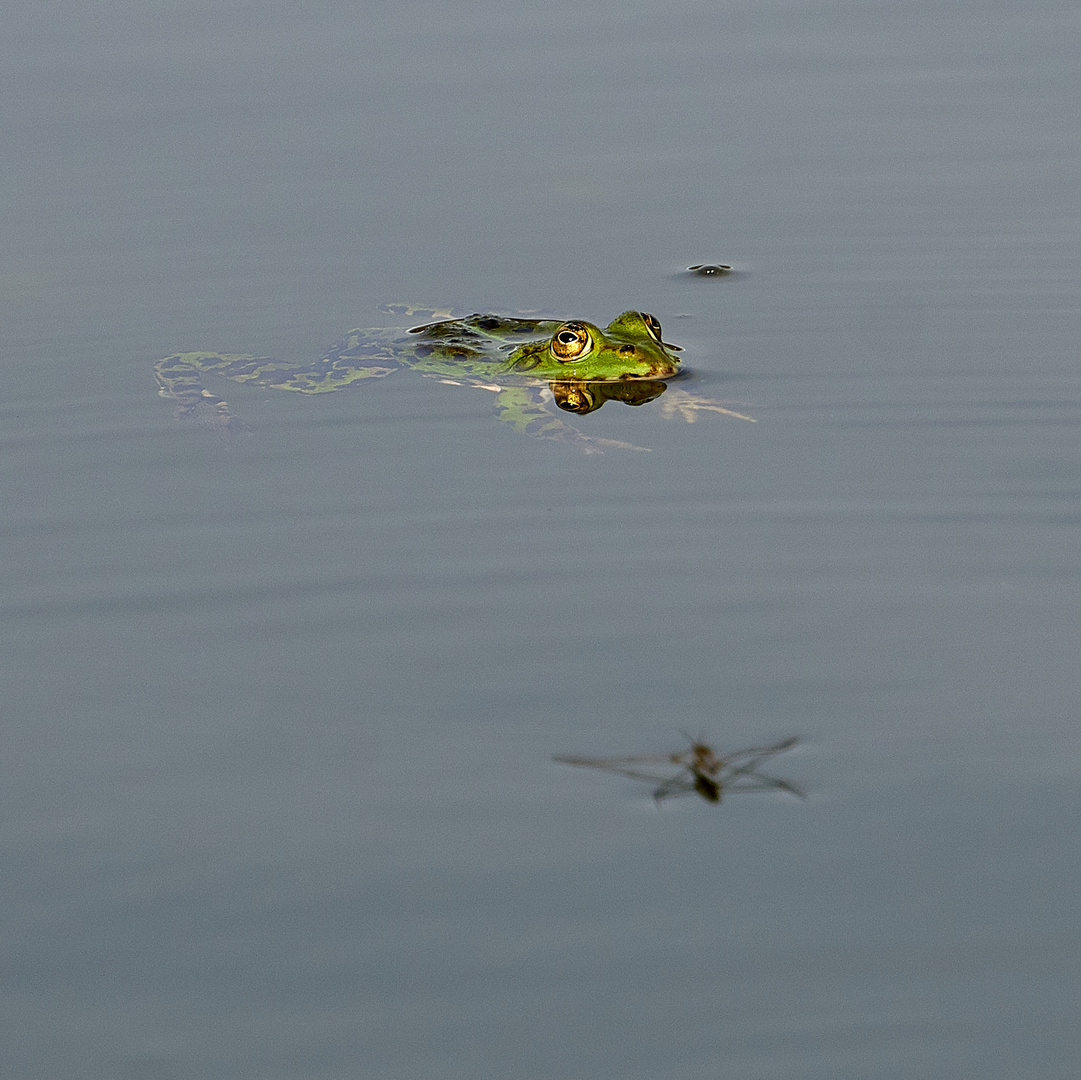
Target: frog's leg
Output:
[(521, 407), (363, 354), (330, 373), (675, 402), (180, 379)]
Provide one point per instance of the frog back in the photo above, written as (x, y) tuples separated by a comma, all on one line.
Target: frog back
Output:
[(478, 345)]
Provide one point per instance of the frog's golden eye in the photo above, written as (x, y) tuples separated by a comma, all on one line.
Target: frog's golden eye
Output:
[(652, 326), (570, 342)]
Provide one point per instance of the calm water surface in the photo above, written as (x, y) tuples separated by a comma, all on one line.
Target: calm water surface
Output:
[(276, 781)]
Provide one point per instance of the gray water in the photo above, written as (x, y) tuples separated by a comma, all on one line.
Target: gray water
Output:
[(276, 779)]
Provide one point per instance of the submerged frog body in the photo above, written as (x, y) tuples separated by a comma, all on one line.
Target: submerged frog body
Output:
[(578, 364)]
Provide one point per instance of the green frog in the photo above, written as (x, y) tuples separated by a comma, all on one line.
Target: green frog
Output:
[(528, 363)]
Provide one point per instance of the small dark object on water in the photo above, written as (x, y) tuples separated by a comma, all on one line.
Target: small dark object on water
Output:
[(703, 771), (709, 269)]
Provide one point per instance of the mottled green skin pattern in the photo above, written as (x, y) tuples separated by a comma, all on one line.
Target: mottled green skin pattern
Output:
[(582, 365)]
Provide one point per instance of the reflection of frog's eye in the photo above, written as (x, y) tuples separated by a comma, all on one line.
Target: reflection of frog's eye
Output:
[(570, 342), (652, 326), (575, 397)]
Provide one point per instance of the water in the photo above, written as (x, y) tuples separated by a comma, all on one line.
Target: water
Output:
[(278, 720)]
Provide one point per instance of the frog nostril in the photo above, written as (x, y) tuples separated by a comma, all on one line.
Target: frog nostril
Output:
[(626, 350)]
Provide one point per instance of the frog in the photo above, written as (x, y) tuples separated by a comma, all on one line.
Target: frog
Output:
[(529, 363)]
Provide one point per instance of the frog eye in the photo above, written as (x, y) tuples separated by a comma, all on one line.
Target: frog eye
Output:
[(652, 326), (570, 342)]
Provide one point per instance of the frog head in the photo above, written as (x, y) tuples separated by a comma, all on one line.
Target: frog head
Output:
[(629, 347)]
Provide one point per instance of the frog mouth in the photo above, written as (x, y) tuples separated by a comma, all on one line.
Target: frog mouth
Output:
[(655, 371)]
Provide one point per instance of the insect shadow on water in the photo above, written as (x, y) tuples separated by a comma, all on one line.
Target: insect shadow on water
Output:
[(702, 771)]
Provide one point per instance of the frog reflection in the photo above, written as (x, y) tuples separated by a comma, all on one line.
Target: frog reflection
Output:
[(587, 397), (578, 363)]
